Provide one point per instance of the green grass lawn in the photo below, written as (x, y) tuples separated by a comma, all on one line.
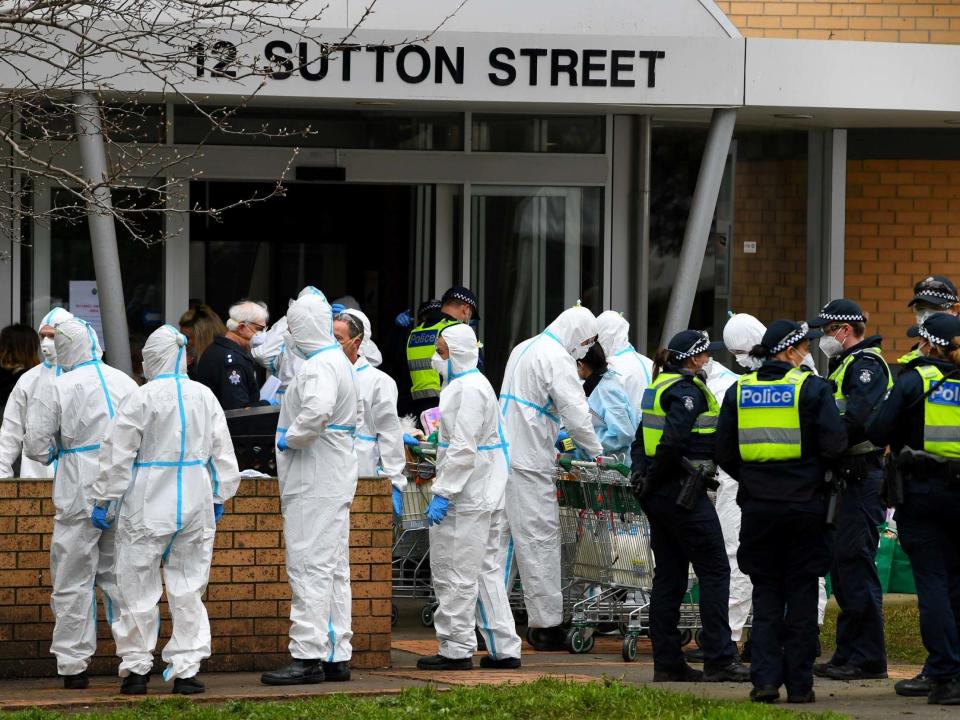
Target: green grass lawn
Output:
[(902, 624), (541, 700)]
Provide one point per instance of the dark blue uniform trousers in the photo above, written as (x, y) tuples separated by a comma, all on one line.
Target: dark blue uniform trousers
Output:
[(680, 537), (785, 551), (854, 579), (929, 526)]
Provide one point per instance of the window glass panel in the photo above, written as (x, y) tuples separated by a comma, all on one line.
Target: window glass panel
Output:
[(530, 133)]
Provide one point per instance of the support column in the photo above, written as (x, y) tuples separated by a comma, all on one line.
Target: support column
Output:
[(641, 296), (697, 232), (826, 209), (103, 235)]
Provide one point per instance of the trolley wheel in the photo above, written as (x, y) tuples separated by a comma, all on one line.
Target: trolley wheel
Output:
[(579, 642), (426, 614), (686, 635), (394, 614), (698, 638), (630, 648)]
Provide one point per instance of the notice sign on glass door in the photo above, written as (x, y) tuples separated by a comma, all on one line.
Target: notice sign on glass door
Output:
[(85, 304)]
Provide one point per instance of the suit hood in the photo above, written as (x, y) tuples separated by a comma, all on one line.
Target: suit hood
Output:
[(165, 352), (368, 348), (614, 332), (310, 321), (572, 327), (464, 349), (76, 342)]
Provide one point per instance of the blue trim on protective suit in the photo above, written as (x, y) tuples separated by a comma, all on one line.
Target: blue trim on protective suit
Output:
[(630, 349), (485, 626), (333, 638), (542, 409)]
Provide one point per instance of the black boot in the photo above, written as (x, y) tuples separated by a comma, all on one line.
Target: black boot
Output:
[(299, 672), (548, 639), (945, 693), (734, 671), (80, 681), (439, 662), (917, 686), (134, 684), (336, 671), (682, 674), (187, 686), (507, 663), (766, 694)]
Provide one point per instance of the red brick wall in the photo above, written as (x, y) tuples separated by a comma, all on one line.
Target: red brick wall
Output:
[(770, 209), (903, 222), (248, 598)]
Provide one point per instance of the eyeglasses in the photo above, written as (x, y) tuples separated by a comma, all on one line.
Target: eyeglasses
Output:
[(256, 326)]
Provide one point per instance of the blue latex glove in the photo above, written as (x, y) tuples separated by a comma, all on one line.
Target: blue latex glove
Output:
[(282, 441), (99, 518), (437, 510), (338, 308), (397, 502), (217, 511), (410, 440), (275, 402), (404, 319), (565, 442)]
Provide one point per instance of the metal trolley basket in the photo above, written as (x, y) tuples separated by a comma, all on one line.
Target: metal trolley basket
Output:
[(606, 555), (411, 541)]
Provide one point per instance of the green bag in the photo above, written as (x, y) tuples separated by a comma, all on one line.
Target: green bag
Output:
[(893, 565)]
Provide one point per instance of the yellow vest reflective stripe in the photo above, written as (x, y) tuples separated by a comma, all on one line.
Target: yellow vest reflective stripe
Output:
[(768, 417), (655, 418), (421, 345), (837, 376), (909, 357), (941, 413)]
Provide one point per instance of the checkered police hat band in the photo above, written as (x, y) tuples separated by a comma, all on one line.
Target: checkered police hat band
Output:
[(701, 346), (947, 297), (841, 318), (933, 338), (463, 298), (790, 340)]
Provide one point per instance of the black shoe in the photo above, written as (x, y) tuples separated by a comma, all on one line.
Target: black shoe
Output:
[(852, 672), (917, 686), (820, 669), (188, 686), (733, 671), (499, 663), (80, 681), (336, 671), (694, 656), (684, 674), (299, 672), (766, 694), (548, 639), (134, 684), (807, 697), (481, 642), (439, 662), (945, 693)]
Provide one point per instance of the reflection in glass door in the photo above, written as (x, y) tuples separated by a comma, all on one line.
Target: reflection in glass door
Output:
[(535, 252)]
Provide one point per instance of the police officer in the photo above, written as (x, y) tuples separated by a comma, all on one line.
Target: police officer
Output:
[(921, 422), (933, 294), (458, 304), (226, 366), (860, 379), (778, 429), (679, 421)]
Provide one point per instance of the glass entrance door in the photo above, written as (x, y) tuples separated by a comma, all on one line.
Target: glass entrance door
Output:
[(535, 252)]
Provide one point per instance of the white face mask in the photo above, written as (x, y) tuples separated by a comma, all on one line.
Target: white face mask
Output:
[(922, 315), (830, 346), (258, 339), (747, 361), (49, 350), (580, 351), (439, 365), (808, 362)]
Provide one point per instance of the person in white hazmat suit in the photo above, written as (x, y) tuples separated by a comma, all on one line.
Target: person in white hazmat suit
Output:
[(740, 334), (168, 460), (635, 370), (317, 466), (542, 393), (67, 424), (379, 440), (32, 383), (466, 514)]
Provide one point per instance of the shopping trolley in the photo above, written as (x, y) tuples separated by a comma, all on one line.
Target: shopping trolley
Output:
[(411, 541)]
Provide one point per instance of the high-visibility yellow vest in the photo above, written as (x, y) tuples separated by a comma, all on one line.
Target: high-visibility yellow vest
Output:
[(422, 343), (941, 413), (655, 417), (837, 376), (768, 417), (909, 357)]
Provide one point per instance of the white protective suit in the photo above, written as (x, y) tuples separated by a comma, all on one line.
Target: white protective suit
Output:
[(542, 392), (740, 334), (379, 439), (473, 461), (635, 370), (33, 382), (69, 423), (318, 478), (169, 456)]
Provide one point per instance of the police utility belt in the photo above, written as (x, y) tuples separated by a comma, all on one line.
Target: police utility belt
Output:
[(915, 464)]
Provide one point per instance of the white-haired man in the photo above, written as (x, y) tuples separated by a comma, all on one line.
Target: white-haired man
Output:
[(226, 366)]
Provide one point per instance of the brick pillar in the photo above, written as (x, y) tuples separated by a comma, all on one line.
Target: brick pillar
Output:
[(248, 598)]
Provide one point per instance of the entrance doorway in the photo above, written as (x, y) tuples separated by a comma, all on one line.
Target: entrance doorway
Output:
[(357, 240)]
